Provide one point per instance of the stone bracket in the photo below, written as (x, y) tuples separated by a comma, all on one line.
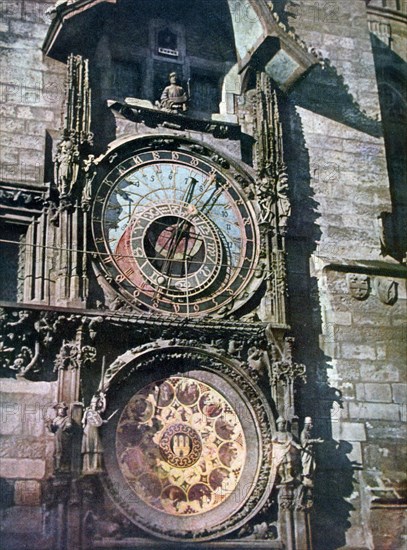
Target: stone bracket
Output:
[(142, 111)]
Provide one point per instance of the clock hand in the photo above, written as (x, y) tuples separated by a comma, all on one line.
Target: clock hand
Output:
[(173, 242), (206, 185), (210, 203), (189, 193), (176, 236), (186, 283), (181, 225)]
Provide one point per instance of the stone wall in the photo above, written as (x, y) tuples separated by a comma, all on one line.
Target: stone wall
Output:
[(32, 91), (26, 459), (356, 387), (355, 348)]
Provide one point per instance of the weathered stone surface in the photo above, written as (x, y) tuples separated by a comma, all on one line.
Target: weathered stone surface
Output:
[(347, 389), (373, 392), (357, 351), (380, 372), (27, 493), (339, 317), (24, 468), (389, 528), (383, 411), (377, 429), (10, 385), (22, 446), (387, 457), (22, 416), (22, 519), (352, 431), (399, 393)]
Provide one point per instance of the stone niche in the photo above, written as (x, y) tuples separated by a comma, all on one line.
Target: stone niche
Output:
[(196, 41)]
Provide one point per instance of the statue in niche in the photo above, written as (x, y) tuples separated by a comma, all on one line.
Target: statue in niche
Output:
[(61, 426), (92, 450), (66, 165), (307, 452), (174, 98), (283, 444), (284, 206)]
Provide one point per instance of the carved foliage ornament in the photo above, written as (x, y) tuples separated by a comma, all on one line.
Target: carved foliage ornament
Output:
[(22, 337), (28, 340), (72, 356), (287, 371)]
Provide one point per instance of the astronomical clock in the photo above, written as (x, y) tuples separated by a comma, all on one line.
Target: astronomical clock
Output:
[(163, 237), (175, 232)]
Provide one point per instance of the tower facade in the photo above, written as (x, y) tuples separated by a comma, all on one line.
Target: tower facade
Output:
[(204, 300)]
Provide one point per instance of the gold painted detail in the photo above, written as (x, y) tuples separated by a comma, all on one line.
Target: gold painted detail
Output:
[(180, 446)]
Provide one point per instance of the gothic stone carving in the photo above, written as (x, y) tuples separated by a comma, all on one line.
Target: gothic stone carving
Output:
[(307, 453), (92, 449), (22, 338), (386, 290), (358, 286), (61, 426), (282, 444), (174, 98), (72, 355), (76, 137)]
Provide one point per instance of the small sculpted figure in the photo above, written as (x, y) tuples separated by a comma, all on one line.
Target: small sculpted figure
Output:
[(283, 444), (174, 97), (66, 166), (92, 450), (61, 426), (307, 452)]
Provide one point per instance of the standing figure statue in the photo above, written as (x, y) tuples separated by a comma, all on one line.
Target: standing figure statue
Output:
[(174, 98), (92, 450), (66, 166), (61, 426), (283, 442), (307, 452)]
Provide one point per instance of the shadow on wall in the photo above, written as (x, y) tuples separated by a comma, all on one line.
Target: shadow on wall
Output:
[(391, 73), (325, 92), (334, 482), (6, 494)]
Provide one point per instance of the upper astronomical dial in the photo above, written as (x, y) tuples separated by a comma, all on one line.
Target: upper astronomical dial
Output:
[(174, 233)]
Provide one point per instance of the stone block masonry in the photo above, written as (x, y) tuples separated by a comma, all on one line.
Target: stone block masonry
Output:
[(26, 445), (339, 134), (31, 91)]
